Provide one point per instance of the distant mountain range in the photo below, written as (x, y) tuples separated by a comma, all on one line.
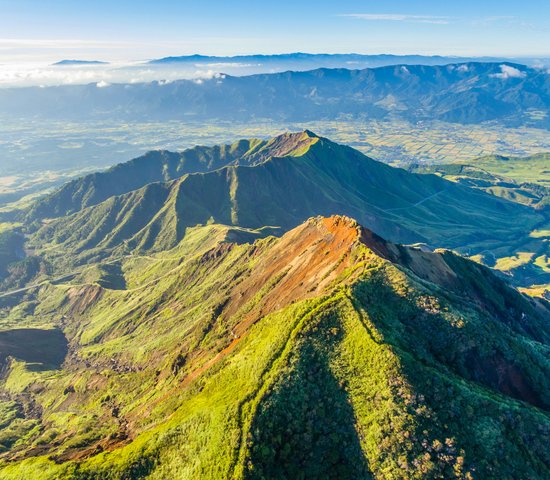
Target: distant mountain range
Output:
[(309, 61), (63, 63), (510, 94), (305, 57), (306, 61)]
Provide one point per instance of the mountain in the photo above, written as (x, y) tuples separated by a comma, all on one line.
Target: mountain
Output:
[(277, 183), (329, 351), (309, 61), (523, 180), (511, 94), (11, 249), (64, 63), (154, 166)]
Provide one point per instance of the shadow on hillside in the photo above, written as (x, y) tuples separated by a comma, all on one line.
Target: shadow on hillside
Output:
[(466, 350), (446, 364), (112, 276), (43, 349), (305, 425)]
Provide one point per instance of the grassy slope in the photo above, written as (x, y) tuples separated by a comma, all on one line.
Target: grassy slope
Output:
[(524, 180), (196, 367), (531, 169), (314, 176), (11, 247), (155, 166)]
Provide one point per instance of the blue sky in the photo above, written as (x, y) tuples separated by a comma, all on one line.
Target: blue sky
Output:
[(137, 29)]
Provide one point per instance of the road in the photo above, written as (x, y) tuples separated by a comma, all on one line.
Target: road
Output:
[(68, 276), (420, 202), (37, 285)]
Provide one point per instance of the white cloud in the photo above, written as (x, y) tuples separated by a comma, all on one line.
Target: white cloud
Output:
[(395, 17), (507, 71), (23, 74), (227, 65), (462, 68)]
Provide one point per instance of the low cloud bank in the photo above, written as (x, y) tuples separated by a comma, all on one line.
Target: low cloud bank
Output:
[(26, 75), (507, 71)]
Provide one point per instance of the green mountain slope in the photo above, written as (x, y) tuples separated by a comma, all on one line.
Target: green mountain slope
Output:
[(524, 180), (156, 166), (287, 180), (307, 176), (530, 169), (328, 351)]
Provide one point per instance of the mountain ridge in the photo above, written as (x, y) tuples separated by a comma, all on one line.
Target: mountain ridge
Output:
[(255, 344), (298, 59), (161, 166), (461, 93), (275, 183), (78, 62)]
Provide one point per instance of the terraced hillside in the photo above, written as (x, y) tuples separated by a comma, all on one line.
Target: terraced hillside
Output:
[(329, 351), (278, 183)]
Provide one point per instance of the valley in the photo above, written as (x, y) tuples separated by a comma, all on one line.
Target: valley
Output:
[(274, 240), (203, 313), (132, 213)]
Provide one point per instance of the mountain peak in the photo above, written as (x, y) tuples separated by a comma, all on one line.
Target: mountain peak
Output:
[(310, 134), (71, 62), (293, 144)]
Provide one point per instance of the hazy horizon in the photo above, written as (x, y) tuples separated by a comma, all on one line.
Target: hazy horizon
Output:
[(34, 31), (51, 73)]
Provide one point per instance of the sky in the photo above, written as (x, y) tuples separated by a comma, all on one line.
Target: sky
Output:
[(44, 31)]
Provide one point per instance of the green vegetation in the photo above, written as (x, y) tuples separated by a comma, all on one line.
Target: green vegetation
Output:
[(327, 352), (280, 182), (543, 233), (528, 169), (157, 329), (509, 263), (524, 180), (39, 154), (11, 249)]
